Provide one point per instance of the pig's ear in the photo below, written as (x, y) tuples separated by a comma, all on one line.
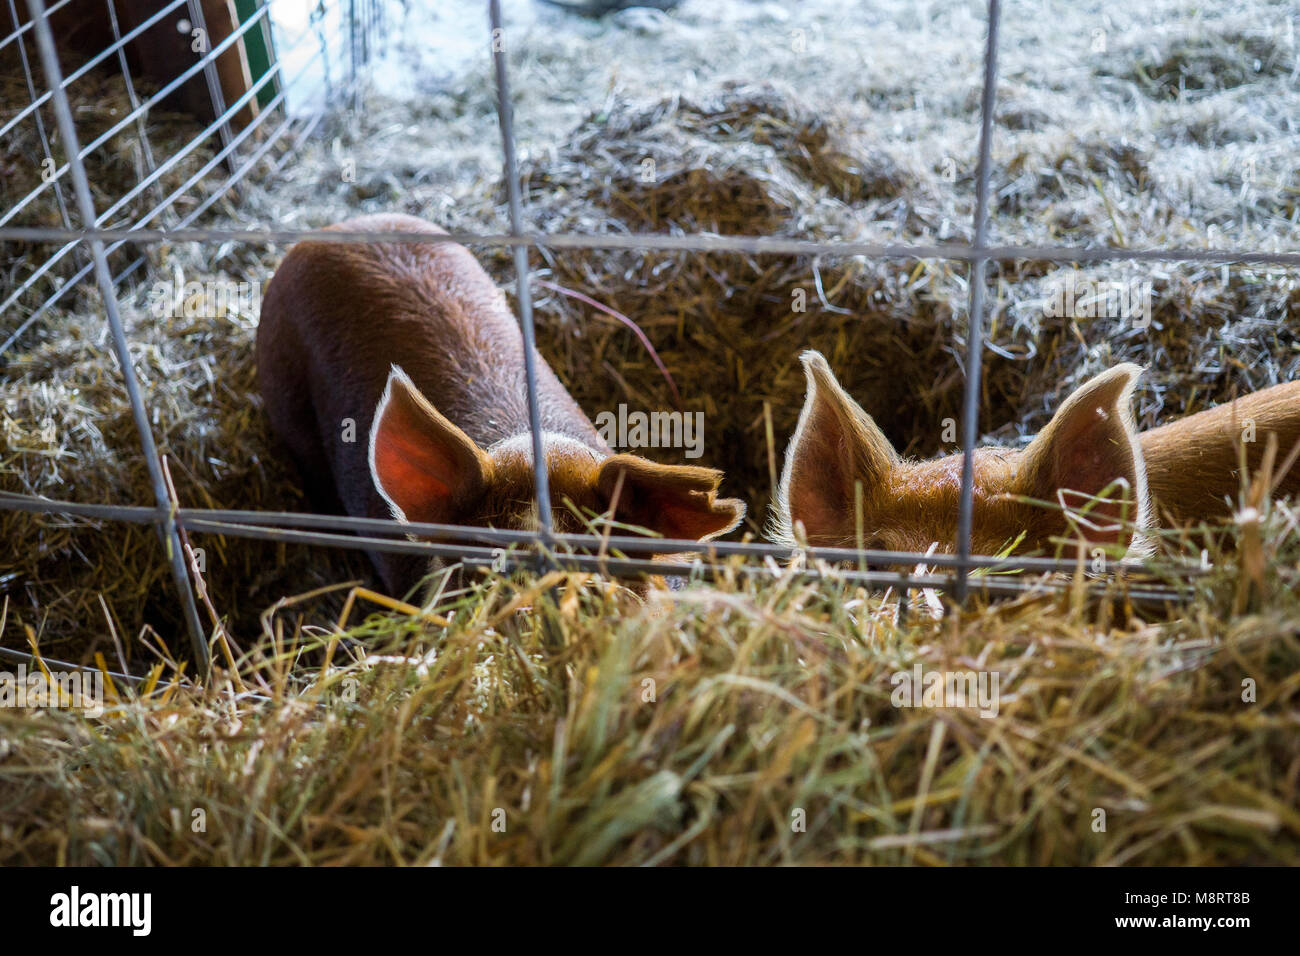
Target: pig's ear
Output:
[(676, 501), (425, 467), (835, 445), (1089, 445)]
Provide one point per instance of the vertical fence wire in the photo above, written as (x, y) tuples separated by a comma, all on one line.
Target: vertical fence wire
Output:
[(505, 117), (975, 335), (166, 522)]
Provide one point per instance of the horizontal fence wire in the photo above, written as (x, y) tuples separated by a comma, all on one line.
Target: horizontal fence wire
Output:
[(617, 555), (18, 33), (657, 242), (504, 551), (499, 537)]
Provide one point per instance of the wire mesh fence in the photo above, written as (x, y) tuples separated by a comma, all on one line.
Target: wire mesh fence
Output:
[(333, 46), (257, 128)]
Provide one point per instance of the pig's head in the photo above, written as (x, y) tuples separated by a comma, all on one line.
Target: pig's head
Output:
[(1082, 477), (429, 470)]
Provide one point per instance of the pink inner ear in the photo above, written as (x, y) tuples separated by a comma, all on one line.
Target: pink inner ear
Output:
[(413, 464), (818, 498), (835, 446), (1091, 457), (679, 516), (408, 469), (677, 502)]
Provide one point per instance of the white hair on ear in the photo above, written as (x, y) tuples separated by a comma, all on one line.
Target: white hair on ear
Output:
[(780, 525), (395, 374), (1142, 544)]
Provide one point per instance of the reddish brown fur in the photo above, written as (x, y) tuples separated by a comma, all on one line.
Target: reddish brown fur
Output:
[(1193, 465), (1186, 469), (337, 316), (917, 506)]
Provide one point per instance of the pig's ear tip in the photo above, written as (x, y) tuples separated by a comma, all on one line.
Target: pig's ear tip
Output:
[(397, 377), (817, 370), (1126, 374), (1124, 368), (811, 359), (1132, 369)]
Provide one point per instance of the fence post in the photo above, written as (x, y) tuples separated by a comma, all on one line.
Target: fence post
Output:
[(86, 207)]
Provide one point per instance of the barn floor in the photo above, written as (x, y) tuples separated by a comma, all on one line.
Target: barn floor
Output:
[(1144, 126)]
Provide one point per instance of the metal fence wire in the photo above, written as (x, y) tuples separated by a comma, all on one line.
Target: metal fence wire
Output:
[(343, 36)]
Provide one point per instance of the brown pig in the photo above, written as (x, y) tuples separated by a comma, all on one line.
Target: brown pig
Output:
[(411, 350)]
